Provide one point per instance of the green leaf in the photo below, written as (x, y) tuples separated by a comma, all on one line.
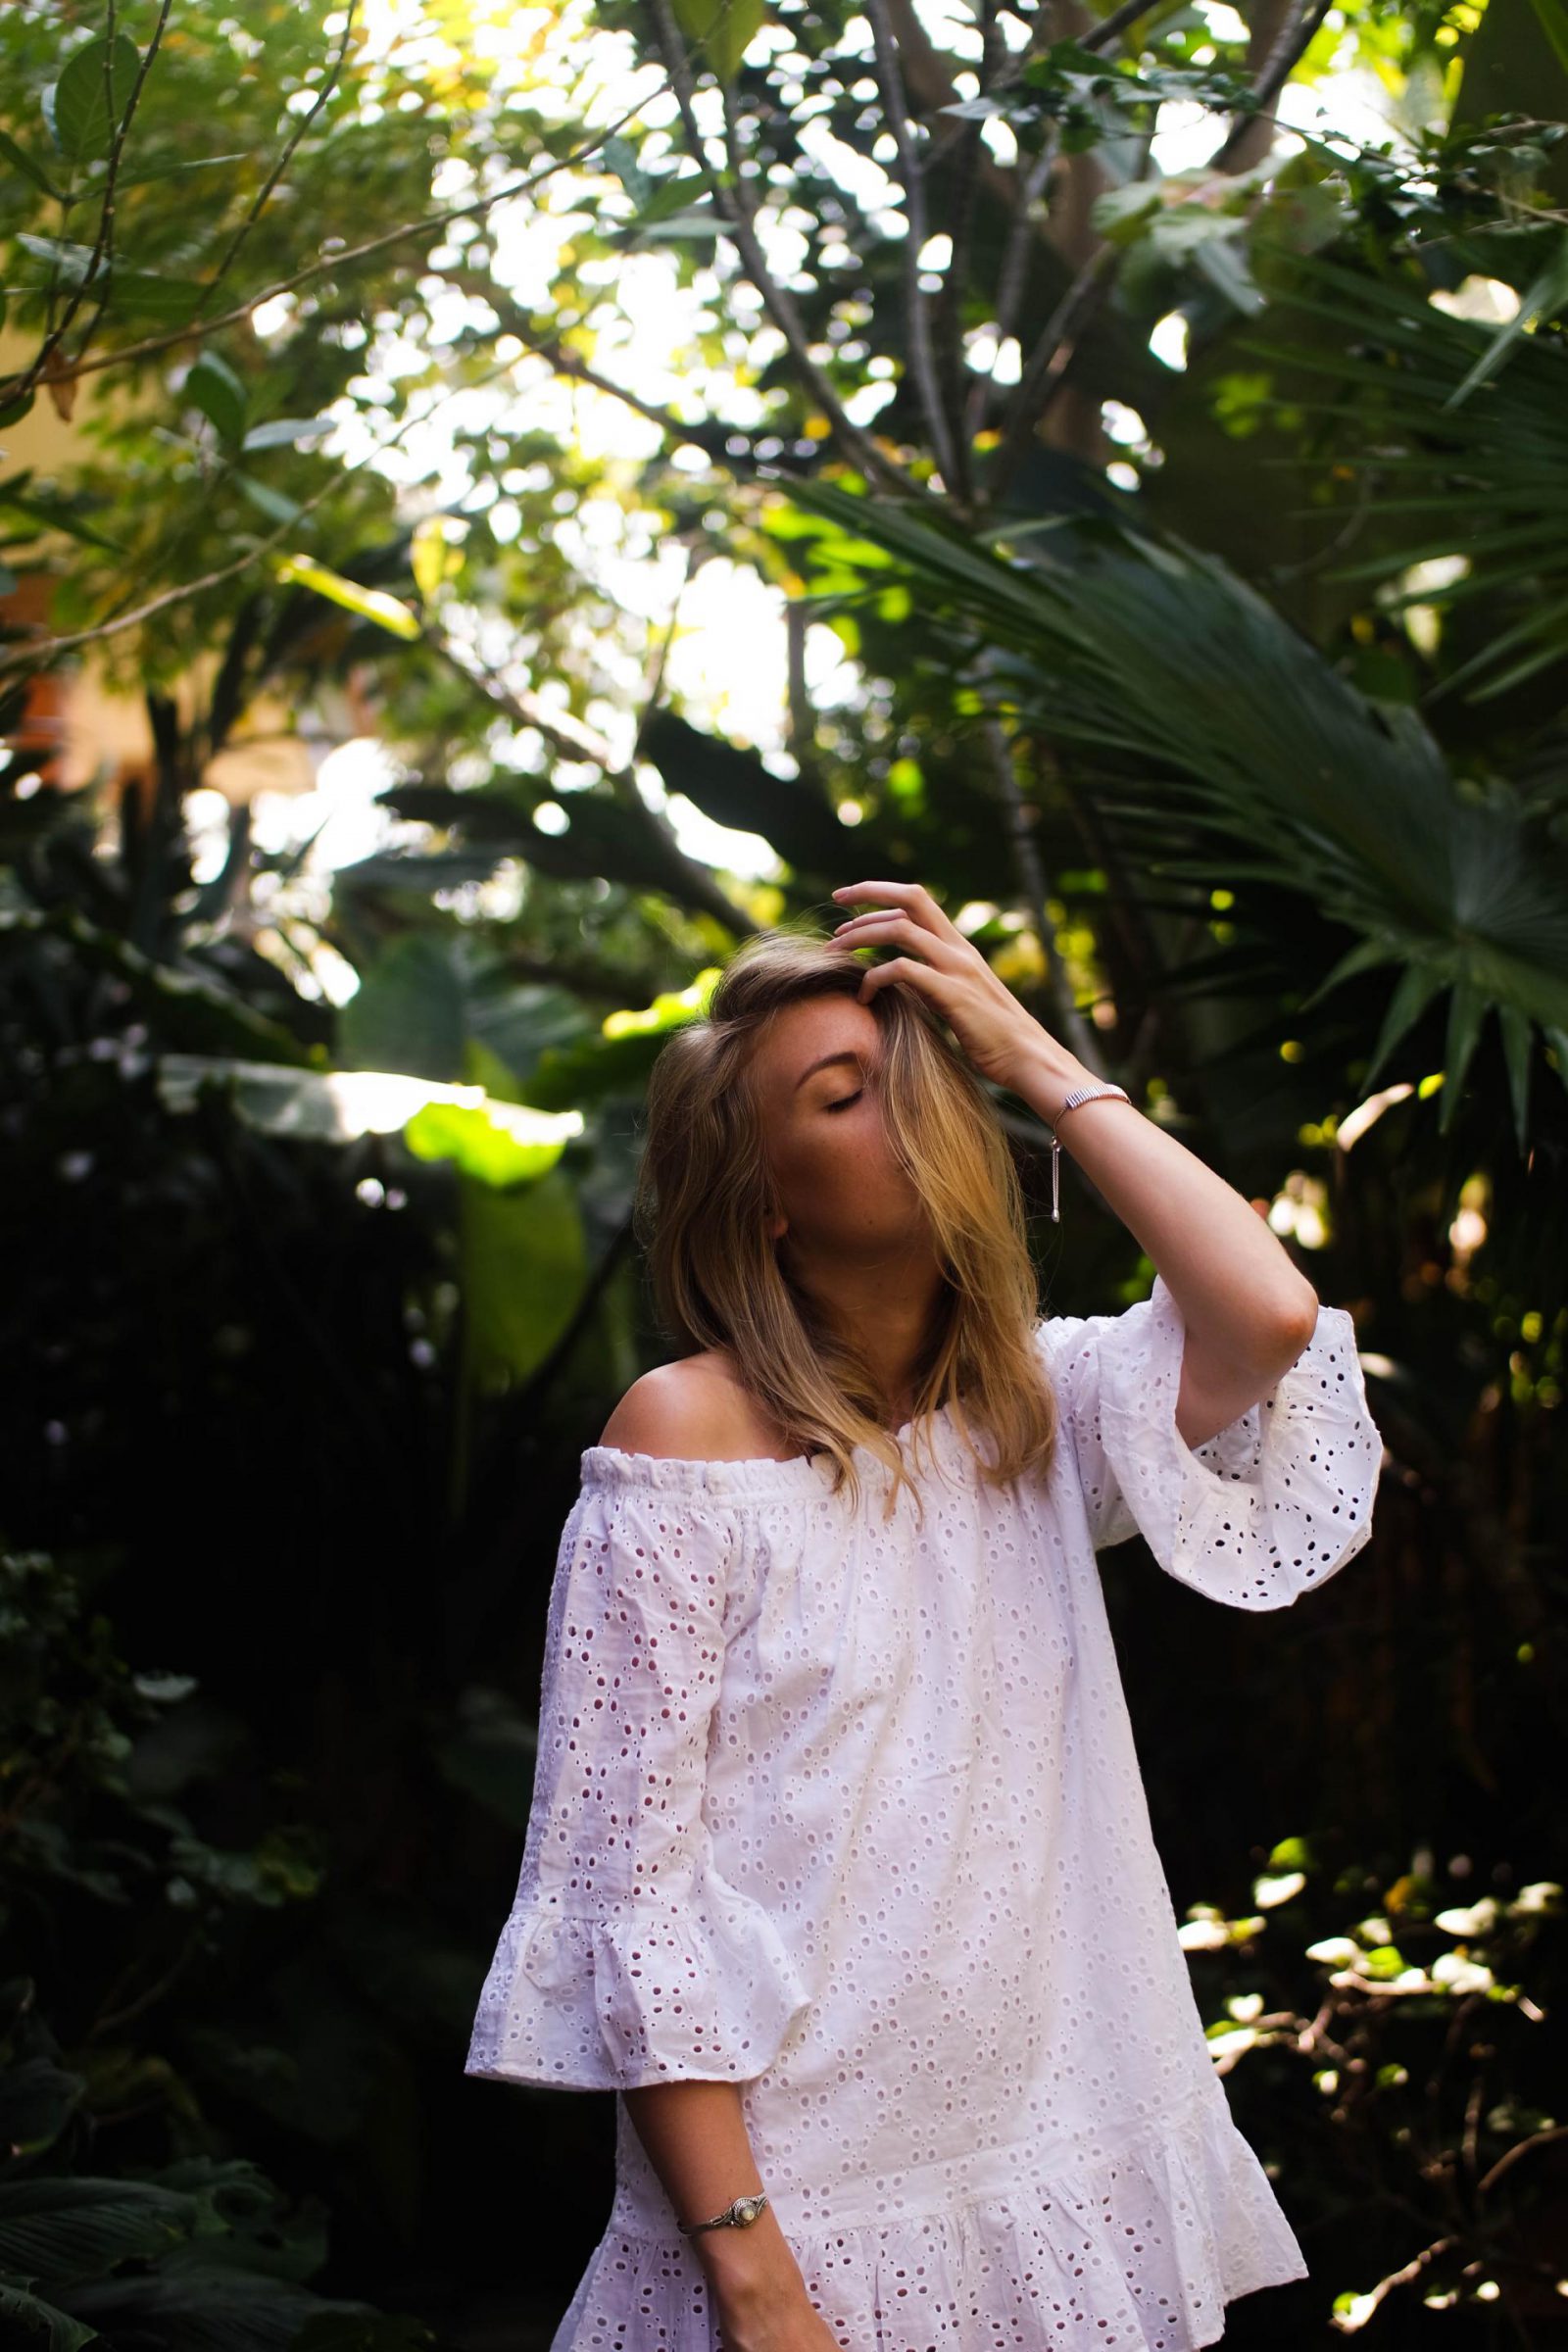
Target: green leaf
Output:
[(56, 512), (272, 503), (495, 1143), (21, 161), (55, 2230), (370, 604), (408, 1014), (337, 1106), (91, 96), (734, 788), (146, 294), (1467, 1010), (1351, 799), (1545, 297), (523, 1261), (283, 432), (675, 196), (214, 388), (618, 1059), (1121, 213), (183, 1004), (71, 263), (30, 2322), (1416, 987), (1517, 1040), (194, 163), (1553, 19), (723, 29), (432, 557)]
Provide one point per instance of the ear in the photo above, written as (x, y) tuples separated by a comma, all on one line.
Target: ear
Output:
[(777, 1228)]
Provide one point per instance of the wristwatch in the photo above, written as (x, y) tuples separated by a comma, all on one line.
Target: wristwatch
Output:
[(739, 2215)]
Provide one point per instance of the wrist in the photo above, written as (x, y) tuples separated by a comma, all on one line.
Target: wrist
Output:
[(1047, 1075), (750, 2265)]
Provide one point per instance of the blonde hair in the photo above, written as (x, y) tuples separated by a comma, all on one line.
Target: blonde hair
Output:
[(705, 1198)]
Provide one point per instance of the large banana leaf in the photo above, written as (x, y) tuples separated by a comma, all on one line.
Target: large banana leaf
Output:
[(1157, 654)]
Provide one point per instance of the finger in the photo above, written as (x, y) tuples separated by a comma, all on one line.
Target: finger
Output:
[(907, 898), (883, 930), (929, 983), (912, 898)]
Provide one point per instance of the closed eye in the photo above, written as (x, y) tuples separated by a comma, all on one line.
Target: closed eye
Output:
[(847, 1100)]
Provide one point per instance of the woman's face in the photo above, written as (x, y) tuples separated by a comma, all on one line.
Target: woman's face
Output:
[(843, 1196)]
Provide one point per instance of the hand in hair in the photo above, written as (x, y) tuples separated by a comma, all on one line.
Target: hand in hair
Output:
[(995, 1031)]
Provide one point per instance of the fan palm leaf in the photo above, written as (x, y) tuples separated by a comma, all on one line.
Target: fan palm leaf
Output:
[(1472, 421), (1158, 653)]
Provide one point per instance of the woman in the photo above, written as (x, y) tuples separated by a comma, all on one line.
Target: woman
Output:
[(839, 1868)]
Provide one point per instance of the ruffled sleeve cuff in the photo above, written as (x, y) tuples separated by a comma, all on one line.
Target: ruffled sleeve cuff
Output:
[(637, 1994), (1275, 1502)]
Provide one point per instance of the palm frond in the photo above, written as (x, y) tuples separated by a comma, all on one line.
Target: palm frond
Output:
[(1480, 415), (1158, 652)]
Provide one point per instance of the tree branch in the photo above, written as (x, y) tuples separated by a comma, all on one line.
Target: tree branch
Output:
[(290, 145), (859, 447), (37, 655), (18, 389), (964, 210), (918, 314), (195, 331), (1014, 274), (1295, 39), (579, 742), (707, 433), (1044, 373)]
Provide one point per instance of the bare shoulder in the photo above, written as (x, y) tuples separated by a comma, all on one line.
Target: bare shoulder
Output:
[(693, 1410)]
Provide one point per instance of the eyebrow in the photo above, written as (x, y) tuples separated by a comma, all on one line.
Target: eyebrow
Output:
[(844, 1054)]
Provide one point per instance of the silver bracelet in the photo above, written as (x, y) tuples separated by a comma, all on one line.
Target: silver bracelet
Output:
[(738, 2215), (1080, 1093)]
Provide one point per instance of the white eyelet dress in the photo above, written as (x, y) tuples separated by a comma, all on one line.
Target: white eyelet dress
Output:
[(849, 1813)]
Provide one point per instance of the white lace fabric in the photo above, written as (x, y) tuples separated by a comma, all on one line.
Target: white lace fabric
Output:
[(849, 1812)]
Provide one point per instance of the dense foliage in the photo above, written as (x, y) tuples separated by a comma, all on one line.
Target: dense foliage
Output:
[(1192, 544)]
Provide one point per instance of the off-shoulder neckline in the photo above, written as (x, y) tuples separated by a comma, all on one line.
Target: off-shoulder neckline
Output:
[(758, 1474), (745, 1474)]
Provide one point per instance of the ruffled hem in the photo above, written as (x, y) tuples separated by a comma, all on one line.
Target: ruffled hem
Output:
[(1137, 2251), (1272, 1506), (614, 2000)]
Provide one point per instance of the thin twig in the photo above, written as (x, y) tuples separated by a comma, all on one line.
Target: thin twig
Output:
[(1067, 1022), (1295, 39), (654, 670), (1099, 36), (964, 210), (196, 331), (290, 145), (1014, 274), (36, 654), (18, 389), (858, 445), (1510, 2156), (917, 311), (579, 742), (1047, 361)]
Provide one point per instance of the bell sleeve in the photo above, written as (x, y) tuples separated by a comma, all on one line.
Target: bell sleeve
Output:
[(627, 1958), (1260, 1513)]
